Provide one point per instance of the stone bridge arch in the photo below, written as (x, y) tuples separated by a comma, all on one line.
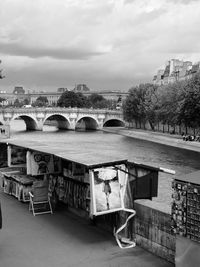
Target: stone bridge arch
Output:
[(58, 120), (86, 122), (114, 122), (30, 121)]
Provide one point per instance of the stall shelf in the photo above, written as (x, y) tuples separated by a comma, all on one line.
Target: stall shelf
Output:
[(17, 184)]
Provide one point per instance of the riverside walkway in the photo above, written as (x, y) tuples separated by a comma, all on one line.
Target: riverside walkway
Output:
[(61, 239), (157, 137)]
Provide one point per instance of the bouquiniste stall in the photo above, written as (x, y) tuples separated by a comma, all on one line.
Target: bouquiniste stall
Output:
[(94, 185)]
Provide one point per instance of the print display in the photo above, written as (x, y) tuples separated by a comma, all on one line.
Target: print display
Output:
[(41, 163), (107, 187), (18, 155)]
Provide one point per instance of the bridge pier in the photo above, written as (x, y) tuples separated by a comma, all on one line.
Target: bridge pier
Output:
[(36, 127), (7, 117), (72, 125), (40, 121), (101, 121)]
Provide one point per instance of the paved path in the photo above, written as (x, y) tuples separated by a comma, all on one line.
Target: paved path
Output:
[(61, 239)]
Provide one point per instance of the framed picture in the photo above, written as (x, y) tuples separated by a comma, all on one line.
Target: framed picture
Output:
[(107, 186), (40, 163)]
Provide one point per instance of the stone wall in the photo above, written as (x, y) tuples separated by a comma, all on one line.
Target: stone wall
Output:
[(152, 230)]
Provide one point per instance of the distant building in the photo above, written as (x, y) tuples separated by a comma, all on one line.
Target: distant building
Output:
[(81, 88), (51, 96), (20, 94), (18, 90), (62, 90), (175, 70)]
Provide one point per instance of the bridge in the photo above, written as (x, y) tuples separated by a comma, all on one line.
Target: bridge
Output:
[(63, 118)]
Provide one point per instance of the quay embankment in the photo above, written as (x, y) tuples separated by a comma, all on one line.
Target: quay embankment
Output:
[(156, 137)]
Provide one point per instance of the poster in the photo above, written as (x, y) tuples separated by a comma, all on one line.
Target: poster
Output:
[(107, 190), (40, 163), (17, 156)]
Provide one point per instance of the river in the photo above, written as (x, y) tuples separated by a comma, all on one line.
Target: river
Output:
[(180, 160)]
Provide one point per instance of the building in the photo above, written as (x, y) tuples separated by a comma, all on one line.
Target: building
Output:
[(81, 88), (62, 90), (20, 94), (18, 90), (176, 70)]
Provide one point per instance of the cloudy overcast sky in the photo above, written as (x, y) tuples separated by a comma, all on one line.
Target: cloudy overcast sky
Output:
[(106, 44)]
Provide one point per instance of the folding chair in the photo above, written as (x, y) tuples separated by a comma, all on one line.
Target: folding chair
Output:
[(39, 199)]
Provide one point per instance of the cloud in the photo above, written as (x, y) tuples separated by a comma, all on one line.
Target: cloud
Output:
[(62, 53), (108, 44), (185, 2)]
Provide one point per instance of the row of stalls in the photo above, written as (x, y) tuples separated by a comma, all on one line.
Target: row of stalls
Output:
[(93, 187)]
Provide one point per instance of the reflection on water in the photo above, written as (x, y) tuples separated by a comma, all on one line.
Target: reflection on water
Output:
[(140, 151)]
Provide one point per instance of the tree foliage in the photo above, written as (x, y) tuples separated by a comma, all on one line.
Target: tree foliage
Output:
[(140, 104), (77, 99), (98, 101), (41, 101), (17, 103), (72, 99), (190, 108), (176, 103), (2, 99), (1, 74)]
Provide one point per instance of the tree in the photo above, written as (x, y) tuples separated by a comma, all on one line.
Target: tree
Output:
[(190, 108), (72, 99), (151, 104), (83, 101), (2, 99), (17, 103), (1, 75), (134, 107), (98, 101), (94, 98), (26, 101), (41, 101)]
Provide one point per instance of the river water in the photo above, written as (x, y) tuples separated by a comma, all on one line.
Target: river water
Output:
[(180, 160)]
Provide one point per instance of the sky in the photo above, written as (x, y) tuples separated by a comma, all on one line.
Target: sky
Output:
[(105, 44)]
